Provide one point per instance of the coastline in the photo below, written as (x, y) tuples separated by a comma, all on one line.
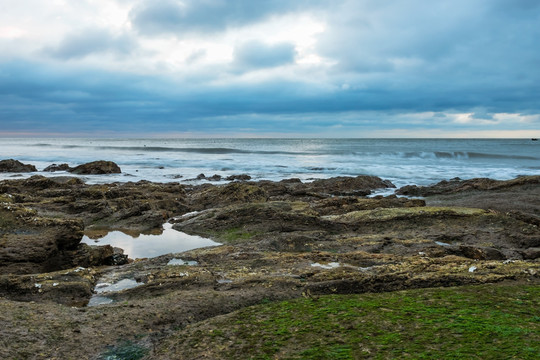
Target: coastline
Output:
[(281, 240)]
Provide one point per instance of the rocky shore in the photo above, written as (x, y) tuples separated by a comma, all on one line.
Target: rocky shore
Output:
[(281, 240)]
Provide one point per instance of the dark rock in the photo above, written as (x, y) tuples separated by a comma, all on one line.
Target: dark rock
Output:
[(241, 177), (96, 168), (359, 186), (41, 244), (200, 177), (531, 253), (344, 204), (232, 193), (54, 167), (456, 185), (11, 165), (214, 177), (88, 255), (117, 258), (39, 182), (480, 253), (72, 287), (291, 181)]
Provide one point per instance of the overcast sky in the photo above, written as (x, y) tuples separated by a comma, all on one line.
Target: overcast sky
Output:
[(353, 68)]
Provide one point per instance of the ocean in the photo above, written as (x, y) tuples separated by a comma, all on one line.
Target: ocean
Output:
[(402, 161)]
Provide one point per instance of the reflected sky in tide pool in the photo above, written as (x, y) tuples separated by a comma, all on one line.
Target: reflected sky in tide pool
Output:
[(146, 246)]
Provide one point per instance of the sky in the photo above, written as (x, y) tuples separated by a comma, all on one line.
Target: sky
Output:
[(270, 68)]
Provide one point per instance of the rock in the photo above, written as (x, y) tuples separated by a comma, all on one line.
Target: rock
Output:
[(71, 287), (345, 204), (118, 258), (531, 253), (457, 185), (133, 206), (273, 234), (517, 197), (242, 221), (55, 167), (359, 186), (232, 193), (31, 243), (11, 165), (214, 177), (480, 253), (96, 168), (241, 177), (89, 255)]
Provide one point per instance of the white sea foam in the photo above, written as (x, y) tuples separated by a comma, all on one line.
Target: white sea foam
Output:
[(403, 161)]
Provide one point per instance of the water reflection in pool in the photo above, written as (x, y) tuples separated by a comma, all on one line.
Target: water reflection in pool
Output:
[(146, 246)]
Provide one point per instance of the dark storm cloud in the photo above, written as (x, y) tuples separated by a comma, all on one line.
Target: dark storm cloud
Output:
[(388, 59), (91, 41), (479, 52), (256, 55), (178, 17)]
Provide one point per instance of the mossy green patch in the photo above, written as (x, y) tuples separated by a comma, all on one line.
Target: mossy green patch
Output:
[(234, 235), (473, 322)]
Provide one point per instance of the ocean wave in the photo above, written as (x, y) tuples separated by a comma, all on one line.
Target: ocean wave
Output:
[(41, 145), (459, 155), (207, 150)]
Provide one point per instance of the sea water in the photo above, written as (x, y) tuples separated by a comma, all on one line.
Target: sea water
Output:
[(149, 245), (403, 161)]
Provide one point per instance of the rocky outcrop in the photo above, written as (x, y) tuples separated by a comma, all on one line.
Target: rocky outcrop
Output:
[(15, 166), (72, 287), (136, 206), (295, 189), (55, 167), (457, 185), (406, 229), (281, 240), (31, 243), (518, 197), (96, 168), (234, 193), (240, 177), (358, 186)]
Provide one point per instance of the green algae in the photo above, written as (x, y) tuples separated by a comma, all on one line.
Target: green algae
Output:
[(442, 323)]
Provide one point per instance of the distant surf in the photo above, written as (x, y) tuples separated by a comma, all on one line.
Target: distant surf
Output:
[(403, 161)]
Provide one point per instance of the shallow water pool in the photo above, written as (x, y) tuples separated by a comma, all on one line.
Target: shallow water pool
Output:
[(147, 246)]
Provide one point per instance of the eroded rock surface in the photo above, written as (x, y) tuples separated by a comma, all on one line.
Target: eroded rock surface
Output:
[(519, 198), (16, 166), (55, 167), (96, 168), (136, 206), (281, 240)]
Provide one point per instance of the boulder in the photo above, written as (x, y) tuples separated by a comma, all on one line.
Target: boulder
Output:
[(97, 168), (531, 253), (232, 193), (31, 243), (457, 185), (240, 177), (11, 165), (55, 167), (359, 186)]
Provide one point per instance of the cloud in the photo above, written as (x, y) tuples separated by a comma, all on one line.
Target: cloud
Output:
[(92, 41), (449, 64), (256, 55), (155, 17)]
